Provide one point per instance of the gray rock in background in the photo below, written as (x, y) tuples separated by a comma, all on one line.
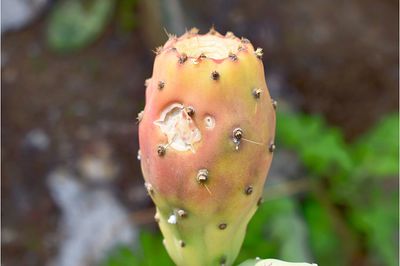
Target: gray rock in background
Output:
[(92, 221), (15, 14), (285, 166)]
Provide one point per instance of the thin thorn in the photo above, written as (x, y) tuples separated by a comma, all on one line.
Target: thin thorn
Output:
[(192, 148), (169, 35), (212, 30), (244, 40), (252, 141), (158, 50), (172, 140), (207, 189), (166, 32)]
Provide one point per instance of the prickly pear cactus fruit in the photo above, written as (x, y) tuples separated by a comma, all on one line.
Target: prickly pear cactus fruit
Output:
[(206, 142)]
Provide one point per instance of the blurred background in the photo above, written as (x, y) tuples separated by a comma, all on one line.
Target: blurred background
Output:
[(73, 76)]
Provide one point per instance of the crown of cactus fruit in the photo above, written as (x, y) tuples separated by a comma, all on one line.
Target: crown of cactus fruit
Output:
[(206, 141)]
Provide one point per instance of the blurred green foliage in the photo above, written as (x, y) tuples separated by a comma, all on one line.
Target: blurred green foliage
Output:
[(320, 148), (376, 153), (150, 252), (324, 242), (75, 23), (126, 15), (375, 209), (277, 230), (349, 215), (359, 185)]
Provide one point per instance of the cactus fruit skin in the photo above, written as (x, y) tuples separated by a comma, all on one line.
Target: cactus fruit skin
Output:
[(274, 262), (206, 141)]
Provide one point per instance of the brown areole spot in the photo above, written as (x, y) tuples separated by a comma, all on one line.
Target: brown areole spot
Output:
[(257, 93), (259, 53), (161, 150), (215, 75), (182, 213), (222, 226), (274, 103), (271, 147), (248, 190), (260, 201), (189, 110), (233, 57), (161, 85), (202, 176), (182, 58)]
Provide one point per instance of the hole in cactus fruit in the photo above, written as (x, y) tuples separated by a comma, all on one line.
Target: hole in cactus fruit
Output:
[(179, 127), (209, 122)]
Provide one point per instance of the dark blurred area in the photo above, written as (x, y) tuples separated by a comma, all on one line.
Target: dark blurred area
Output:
[(73, 82)]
